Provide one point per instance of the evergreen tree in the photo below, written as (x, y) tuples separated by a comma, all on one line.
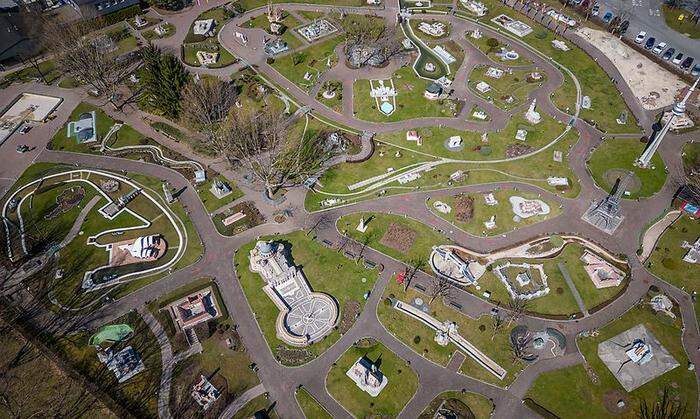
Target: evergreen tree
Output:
[(162, 78)]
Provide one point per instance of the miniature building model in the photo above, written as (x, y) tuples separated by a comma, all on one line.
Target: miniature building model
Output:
[(448, 264), (693, 255), (433, 29), (606, 215), (220, 189), (476, 7), (204, 27), (305, 316), (635, 357), (317, 29), (84, 129), (207, 58), (204, 393), (527, 287), (525, 208), (433, 91), (367, 376), (146, 247), (511, 25), (602, 273), (413, 136), (124, 364), (276, 47), (196, 308)]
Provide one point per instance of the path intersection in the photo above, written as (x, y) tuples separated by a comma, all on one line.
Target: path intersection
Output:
[(327, 214)]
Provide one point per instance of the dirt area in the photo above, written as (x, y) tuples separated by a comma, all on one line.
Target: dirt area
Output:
[(464, 208), (515, 150), (66, 200), (398, 238), (289, 356), (653, 85), (611, 399), (350, 311)]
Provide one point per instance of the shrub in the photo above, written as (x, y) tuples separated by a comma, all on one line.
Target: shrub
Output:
[(482, 327), (416, 339), (492, 43)]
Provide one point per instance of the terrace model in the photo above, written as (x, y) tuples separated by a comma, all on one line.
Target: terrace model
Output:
[(305, 316)]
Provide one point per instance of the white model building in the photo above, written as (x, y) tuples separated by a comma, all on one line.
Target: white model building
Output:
[(305, 316), (693, 255), (367, 376), (143, 247), (204, 27)]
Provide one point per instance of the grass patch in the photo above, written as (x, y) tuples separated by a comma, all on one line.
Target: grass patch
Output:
[(685, 26), (508, 92), (418, 249), (410, 102), (614, 157), (569, 392), (210, 201), (312, 60), (310, 406), (258, 404), (401, 386), (503, 212), (477, 404), (316, 261), (492, 46), (151, 34), (666, 261)]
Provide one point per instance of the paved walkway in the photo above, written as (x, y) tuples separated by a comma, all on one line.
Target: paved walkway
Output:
[(572, 287)]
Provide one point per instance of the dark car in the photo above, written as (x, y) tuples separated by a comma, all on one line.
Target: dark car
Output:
[(668, 54), (22, 148), (650, 43), (695, 71), (25, 129), (607, 17), (685, 65)]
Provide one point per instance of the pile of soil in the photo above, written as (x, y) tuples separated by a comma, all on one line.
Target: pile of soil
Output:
[(515, 150), (398, 238), (464, 208)]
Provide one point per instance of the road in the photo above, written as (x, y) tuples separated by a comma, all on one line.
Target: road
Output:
[(279, 381)]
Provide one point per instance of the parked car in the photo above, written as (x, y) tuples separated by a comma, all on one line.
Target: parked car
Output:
[(678, 58), (658, 48), (607, 17), (668, 54), (595, 10), (685, 65), (640, 37), (22, 148), (25, 129), (650, 43), (695, 71)]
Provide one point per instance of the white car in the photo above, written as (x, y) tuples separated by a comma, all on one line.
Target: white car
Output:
[(640, 37), (678, 58), (658, 48)]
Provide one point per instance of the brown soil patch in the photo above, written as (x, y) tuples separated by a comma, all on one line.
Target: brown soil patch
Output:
[(398, 238), (351, 310), (290, 356), (515, 150), (66, 201), (464, 208), (610, 399)]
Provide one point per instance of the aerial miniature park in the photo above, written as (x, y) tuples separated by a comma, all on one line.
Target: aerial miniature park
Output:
[(350, 208)]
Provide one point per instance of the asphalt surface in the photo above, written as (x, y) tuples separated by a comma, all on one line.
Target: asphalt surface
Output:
[(279, 381)]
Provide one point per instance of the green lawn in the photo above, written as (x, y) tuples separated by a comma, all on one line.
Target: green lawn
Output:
[(515, 85), (410, 102), (47, 67), (335, 103), (503, 212), (570, 393), (533, 170), (559, 301), (564, 98), (685, 26), (209, 45), (483, 45), (253, 4), (402, 383), (345, 285), (260, 403), (475, 148), (421, 247), (310, 406), (170, 30), (666, 261), (60, 140), (313, 60), (607, 104), (479, 405), (139, 394), (211, 202), (421, 338), (614, 157)]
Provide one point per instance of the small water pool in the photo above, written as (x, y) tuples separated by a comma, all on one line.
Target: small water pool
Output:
[(386, 107)]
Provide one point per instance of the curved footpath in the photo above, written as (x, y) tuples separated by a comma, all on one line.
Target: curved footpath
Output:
[(281, 381)]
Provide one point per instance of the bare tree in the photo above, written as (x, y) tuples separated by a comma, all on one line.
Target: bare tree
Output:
[(77, 53), (263, 143), (518, 345), (414, 265), (205, 106), (370, 43), (664, 407), (321, 222), (440, 287), (497, 325), (517, 307)]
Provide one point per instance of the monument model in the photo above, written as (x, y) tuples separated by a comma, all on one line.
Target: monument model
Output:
[(367, 376), (606, 215), (677, 112), (305, 316)]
